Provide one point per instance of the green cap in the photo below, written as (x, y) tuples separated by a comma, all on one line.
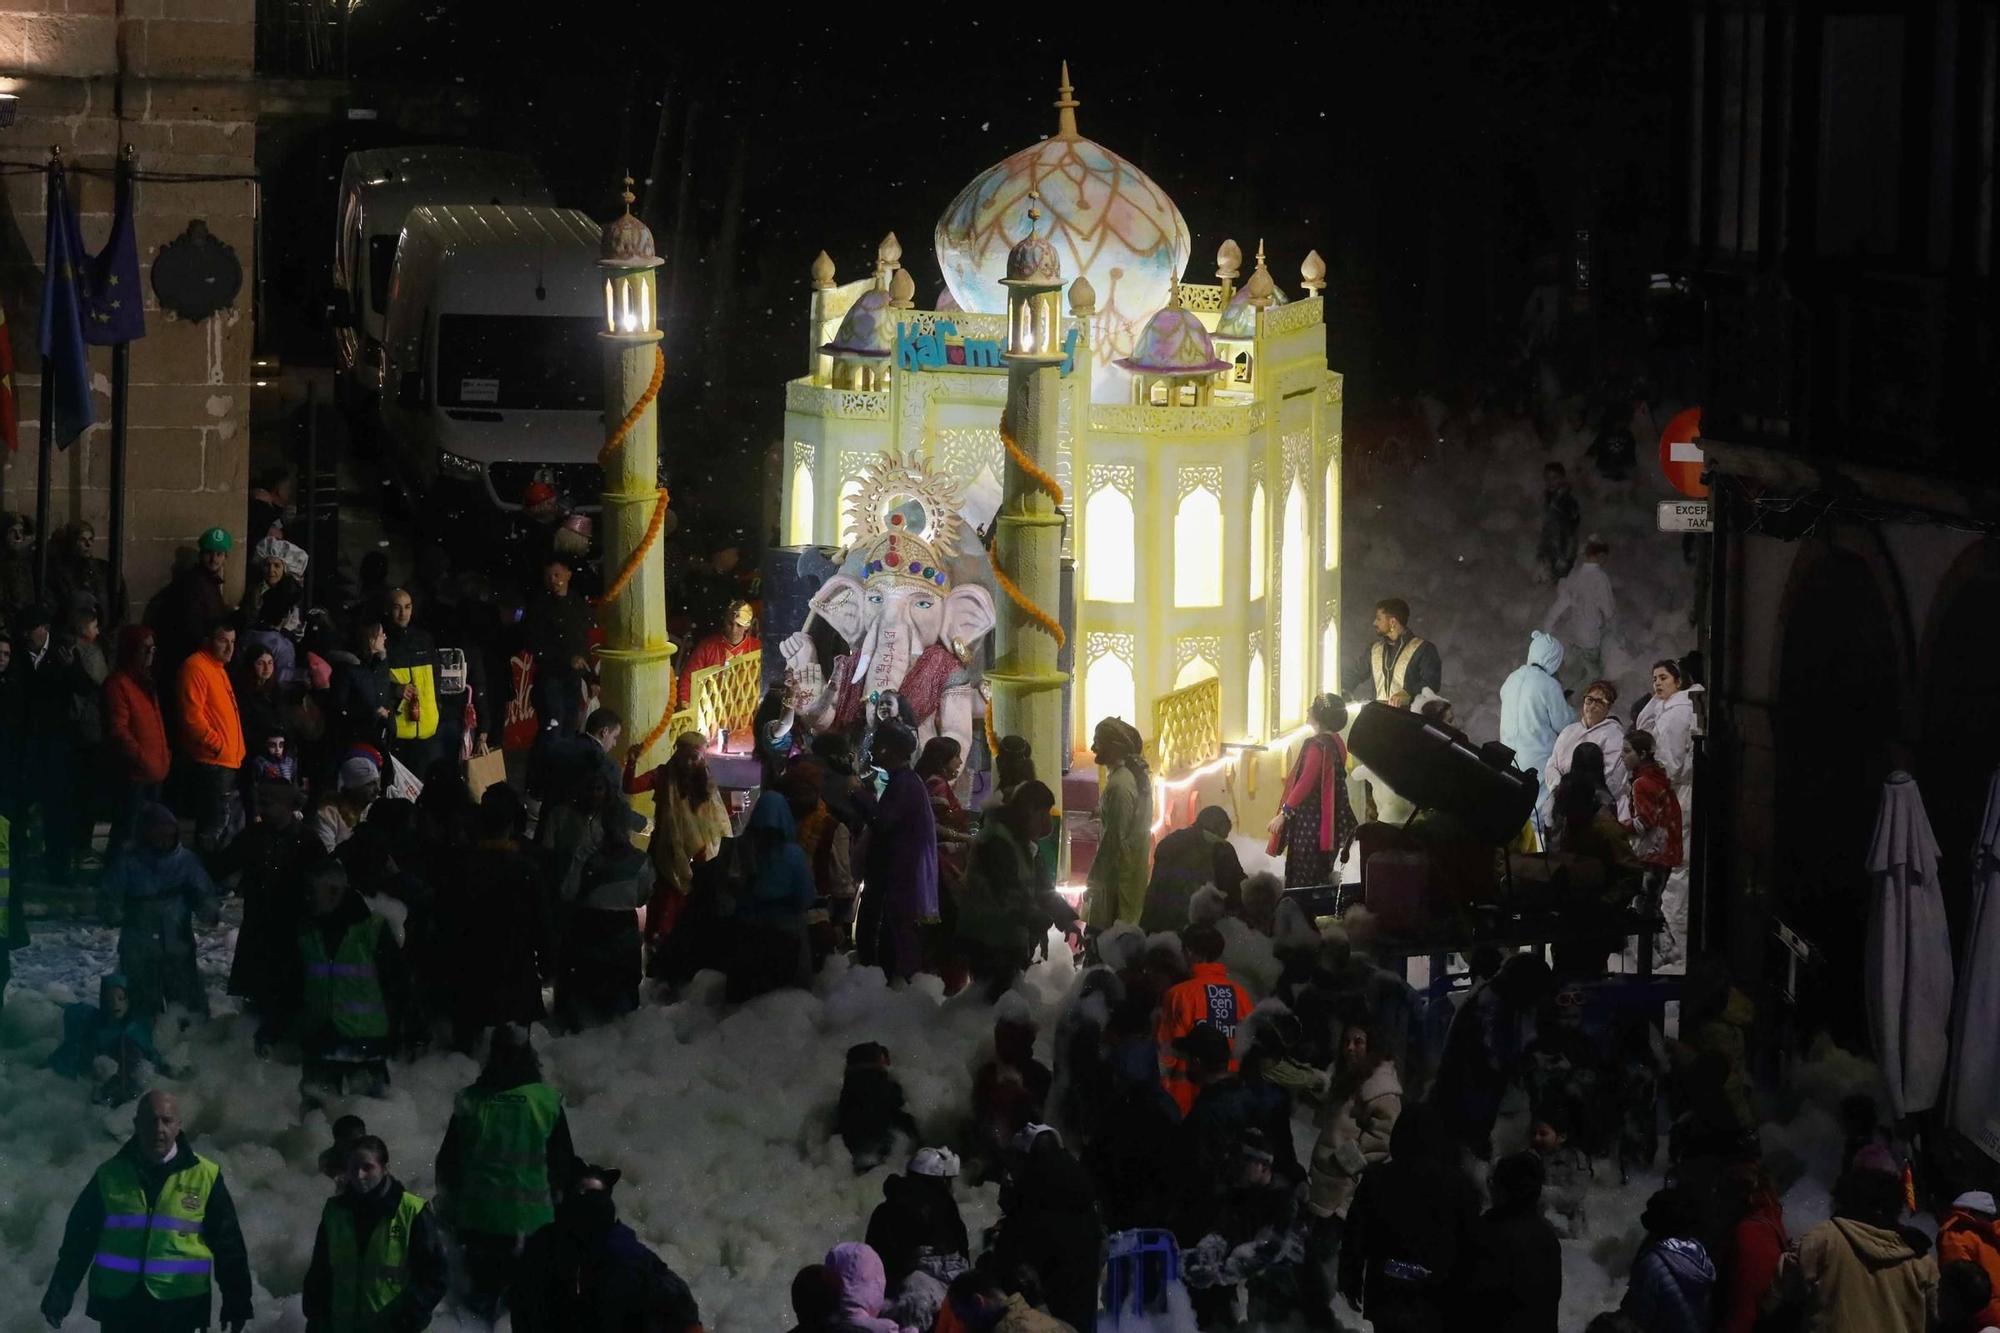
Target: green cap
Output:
[(216, 539)]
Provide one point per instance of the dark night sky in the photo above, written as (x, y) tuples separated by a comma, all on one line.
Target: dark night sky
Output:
[(1430, 151)]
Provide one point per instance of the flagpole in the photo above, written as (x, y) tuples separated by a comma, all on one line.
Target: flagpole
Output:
[(121, 374), (45, 442)]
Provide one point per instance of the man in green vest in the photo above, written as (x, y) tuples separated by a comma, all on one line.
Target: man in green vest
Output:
[(378, 1262), (356, 1001), (504, 1158), (157, 1232)]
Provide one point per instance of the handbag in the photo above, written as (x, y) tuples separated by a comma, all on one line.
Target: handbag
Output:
[(485, 770)]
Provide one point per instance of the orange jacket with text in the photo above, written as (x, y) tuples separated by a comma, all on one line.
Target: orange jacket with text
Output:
[(1208, 996)]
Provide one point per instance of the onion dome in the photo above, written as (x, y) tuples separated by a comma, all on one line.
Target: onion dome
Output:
[(1034, 260), (867, 330), (1262, 288), (625, 239), (1105, 220), (1173, 343), (1239, 317)]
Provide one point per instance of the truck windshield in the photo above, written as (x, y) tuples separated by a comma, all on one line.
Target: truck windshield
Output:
[(522, 362)]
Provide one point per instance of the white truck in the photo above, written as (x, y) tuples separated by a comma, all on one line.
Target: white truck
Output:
[(493, 373), (378, 188)]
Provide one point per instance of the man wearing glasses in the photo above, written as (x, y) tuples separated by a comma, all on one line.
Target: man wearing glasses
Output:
[(1597, 723)]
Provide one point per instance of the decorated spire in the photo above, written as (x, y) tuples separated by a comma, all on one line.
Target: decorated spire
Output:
[(822, 271), (902, 290), (1228, 261), (1261, 289), (1312, 272), (1082, 298), (627, 194), (1066, 105)]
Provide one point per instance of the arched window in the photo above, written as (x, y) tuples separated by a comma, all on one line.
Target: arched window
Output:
[(1108, 691), (1329, 656), (1260, 689), (1198, 549), (1257, 542), (802, 504), (1197, 669), (841, 520), (1295, 642), (1110, 547), (1332, 516)]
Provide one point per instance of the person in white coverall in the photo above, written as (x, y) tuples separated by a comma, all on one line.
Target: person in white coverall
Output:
[(1581, 614), (1533, 709), (1669, 716), (1597, 722)]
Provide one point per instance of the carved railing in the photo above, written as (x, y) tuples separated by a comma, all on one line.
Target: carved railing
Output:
[(721, 698), (1187, 727)]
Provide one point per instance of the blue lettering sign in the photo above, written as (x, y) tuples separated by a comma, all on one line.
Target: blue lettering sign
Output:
[(982, 354), (1069, 352)]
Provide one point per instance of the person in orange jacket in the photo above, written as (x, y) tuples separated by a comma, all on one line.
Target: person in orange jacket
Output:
[(211, 733), (1969, 1230), (1207, 996)]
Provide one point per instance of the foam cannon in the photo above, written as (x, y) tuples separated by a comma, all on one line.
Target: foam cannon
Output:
[(1437, 768)]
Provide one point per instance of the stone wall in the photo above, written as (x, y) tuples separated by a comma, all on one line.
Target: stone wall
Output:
[(173, 78)]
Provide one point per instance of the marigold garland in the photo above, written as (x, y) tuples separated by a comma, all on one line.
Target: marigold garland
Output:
[(632, 562), (1053, 489), (617, 438), (651, 738)]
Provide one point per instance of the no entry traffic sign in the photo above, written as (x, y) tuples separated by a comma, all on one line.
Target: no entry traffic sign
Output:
[(1680, 457)]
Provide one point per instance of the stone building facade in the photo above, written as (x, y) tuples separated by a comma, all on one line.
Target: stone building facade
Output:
[(174, 79)]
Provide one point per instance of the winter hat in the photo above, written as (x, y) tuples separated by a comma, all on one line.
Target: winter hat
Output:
[(358, 772), (216, 539), (1972, 1201), (1205, 1044), (277, 548), (940, 1162), (1024, 1141), (1878, 1159)]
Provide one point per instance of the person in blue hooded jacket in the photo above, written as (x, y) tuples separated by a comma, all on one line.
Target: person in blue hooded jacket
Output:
[(1533, 708), (111, 1030), (154, 896), (772, 897), (1672, 1289)]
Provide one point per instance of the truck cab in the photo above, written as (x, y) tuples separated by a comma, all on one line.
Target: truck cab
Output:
[(492, 365), (378, 188)]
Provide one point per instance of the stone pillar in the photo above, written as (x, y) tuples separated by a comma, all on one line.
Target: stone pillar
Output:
[(1027, 686), (635, 661)]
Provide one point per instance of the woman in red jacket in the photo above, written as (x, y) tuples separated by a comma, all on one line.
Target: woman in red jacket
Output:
[(1315, 822), (135, 732), (1757, 1241)]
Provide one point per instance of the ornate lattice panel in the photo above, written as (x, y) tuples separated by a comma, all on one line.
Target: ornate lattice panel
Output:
[(1121, 477), (722, 698), (1102, 643), (1198, 477), (820, 401), (1201, 296), (1296, 450), (1280, 320), (965, 449), (1219, 419), (1189, 647), (1187, 727)]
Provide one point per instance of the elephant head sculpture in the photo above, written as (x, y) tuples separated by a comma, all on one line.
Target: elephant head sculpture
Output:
[(907, 629)]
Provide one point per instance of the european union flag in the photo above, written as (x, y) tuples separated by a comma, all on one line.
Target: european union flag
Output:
[(65, 368), (114, 311)]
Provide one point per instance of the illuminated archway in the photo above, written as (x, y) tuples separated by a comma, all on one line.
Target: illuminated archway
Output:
[(1111, 544), (802, 504), (1329, 656), (1331, 517), (1196, 669), (1257, 542), (1109, 691), (1254, 715), (1198, 549), (848, 490), (1295, 603)]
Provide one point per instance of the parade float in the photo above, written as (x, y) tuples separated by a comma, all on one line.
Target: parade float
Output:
[(1176, 445)]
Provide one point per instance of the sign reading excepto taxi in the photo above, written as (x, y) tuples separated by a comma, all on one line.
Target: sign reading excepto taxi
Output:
[(1685, 516)]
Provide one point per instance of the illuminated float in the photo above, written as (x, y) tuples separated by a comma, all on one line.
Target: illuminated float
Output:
[(1194, 444)]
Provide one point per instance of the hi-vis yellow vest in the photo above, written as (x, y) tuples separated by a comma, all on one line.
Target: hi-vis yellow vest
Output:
[(368, 1279), (1391, 682), (425, 724), (160, 1246), (503, 1185)]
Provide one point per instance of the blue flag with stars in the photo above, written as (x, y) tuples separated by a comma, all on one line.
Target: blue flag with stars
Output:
[(65, 367), (114, 311)]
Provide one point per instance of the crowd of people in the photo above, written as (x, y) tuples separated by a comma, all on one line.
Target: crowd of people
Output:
[(312, 761)]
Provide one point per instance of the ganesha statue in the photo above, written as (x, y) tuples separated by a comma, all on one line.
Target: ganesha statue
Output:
[(907, 605)]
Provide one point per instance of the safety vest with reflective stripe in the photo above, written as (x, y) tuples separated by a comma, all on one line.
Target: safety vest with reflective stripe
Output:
[(1390, 681), (425, 724), (342, 991), (503, 1185), (160, 1245), (368, 1279)]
